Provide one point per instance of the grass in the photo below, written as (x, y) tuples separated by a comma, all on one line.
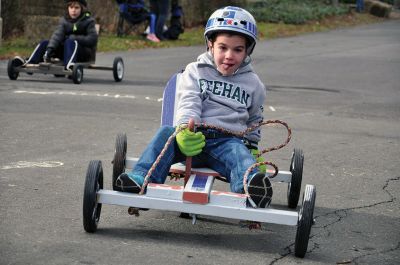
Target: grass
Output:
[(194, 36)]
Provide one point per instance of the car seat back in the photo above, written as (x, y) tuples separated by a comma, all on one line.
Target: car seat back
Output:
[(170, 101)]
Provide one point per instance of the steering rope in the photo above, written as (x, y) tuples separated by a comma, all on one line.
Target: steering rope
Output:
[(237, 134)]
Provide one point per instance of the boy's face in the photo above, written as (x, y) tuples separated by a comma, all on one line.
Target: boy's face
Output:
[(228, 51), (74, 10)]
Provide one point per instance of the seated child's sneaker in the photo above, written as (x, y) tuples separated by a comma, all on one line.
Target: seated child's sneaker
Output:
[(129, 183), (20, 60), (152, 37), (260, 190)]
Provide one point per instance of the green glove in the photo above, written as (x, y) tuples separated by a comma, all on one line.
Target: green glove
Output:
[(255, 152), (190, 143)]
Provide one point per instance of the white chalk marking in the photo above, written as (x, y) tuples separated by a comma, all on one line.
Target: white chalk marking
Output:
[(272, 108), (27, 164), (71, 93)]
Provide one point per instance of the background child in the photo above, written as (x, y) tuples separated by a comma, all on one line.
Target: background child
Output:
[(74, 39), (220, 89)]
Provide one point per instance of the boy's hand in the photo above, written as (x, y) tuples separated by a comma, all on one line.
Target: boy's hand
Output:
[(47, 55), (190, 143), (255, 152)]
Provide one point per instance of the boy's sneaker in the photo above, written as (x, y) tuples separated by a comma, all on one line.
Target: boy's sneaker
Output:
[(20, 60), (129, 183), (260, 190)]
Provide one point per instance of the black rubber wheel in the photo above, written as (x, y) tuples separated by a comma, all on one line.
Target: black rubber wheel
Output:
[(77, 74), (93, 183), (11, 71), (305, 221), (119, 158), (294, 186), (118, 69), (185, 215)]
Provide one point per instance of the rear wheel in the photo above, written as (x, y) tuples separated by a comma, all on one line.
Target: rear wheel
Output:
[(119, 158), (91, 208), (305, 221), (294, 186), (118, 69)]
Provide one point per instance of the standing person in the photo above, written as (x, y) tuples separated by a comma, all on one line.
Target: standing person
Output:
[(135, 12), (220, 89), (74, 39), (175, 27), (160, 9)]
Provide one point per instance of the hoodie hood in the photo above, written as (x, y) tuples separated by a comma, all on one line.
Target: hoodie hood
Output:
[(206, 60)]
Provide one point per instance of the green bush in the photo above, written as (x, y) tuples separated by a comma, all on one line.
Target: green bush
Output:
[(293, 11), (390, 2)]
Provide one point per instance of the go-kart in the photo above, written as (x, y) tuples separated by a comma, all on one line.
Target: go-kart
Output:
[(17, 65), (196, 196)]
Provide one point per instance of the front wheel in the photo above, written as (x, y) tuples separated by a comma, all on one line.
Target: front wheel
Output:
[(91, 208), (77, 74), (118, 69), (11, 67), (305, 221)]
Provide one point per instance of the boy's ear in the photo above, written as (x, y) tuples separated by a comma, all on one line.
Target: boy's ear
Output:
[(209, 45)]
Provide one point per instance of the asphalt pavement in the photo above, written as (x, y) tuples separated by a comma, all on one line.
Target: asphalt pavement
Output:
[(339, 91)]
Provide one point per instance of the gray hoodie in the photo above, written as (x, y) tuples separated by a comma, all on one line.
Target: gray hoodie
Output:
[(232, 102)]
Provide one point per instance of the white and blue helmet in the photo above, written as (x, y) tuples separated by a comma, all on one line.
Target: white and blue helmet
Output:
[(234, 19)]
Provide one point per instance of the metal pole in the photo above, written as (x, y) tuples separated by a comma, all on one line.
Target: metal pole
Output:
[(1, 26)]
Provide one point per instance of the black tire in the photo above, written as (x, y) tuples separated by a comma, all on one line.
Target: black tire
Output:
[(77, 74), (11, 71), (93, 183), (119, 158), (294, 186), (185, 215), (118, 69), (305, 221)]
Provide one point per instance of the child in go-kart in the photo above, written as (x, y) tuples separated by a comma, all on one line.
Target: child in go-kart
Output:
[(220, 89), (74, 39)]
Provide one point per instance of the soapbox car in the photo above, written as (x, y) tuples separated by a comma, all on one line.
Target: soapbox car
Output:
[(17, 65), (196, 196)]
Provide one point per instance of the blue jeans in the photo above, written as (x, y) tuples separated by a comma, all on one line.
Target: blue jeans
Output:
[(160, 9), (228, 156), (359, 6)]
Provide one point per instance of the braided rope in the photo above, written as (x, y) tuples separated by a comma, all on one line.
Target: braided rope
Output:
[(146, 178), (237, 134)]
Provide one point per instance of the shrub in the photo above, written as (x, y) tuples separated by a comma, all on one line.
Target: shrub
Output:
[(292, 11)]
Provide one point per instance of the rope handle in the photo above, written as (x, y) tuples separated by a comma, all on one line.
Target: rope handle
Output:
[(238, 134)]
